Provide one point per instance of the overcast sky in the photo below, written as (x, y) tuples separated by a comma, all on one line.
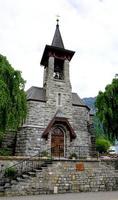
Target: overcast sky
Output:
[(88, 27)]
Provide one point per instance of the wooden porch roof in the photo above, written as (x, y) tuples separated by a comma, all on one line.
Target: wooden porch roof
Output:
[(58, 121)]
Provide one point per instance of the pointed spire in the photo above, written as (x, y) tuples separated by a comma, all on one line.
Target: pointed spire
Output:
[(57, 39), (57, 48)]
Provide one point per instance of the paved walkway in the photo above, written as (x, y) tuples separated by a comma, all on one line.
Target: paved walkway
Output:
[(71, 196)]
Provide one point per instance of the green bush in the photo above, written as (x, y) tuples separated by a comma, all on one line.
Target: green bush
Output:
[(1, 137), (73, 155), (5, 152), (44, 154), (10, 172), (102, 144)]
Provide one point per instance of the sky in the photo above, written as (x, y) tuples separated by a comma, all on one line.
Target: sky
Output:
[(88, 27)]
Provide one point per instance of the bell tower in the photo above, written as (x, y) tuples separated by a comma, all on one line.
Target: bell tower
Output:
[(56, 80)]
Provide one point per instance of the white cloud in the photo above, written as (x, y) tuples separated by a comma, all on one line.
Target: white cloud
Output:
[(88, 27)]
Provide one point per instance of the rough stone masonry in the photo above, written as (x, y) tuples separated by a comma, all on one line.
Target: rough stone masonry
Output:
[(54, 109), (63, 177)]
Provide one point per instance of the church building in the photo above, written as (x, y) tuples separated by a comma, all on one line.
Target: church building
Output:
[(58, 121)]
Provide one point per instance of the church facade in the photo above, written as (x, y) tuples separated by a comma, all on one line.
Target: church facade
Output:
[(57, 120)]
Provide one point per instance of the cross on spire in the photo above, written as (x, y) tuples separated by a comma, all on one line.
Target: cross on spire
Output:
[(57, 19), (57, 39)]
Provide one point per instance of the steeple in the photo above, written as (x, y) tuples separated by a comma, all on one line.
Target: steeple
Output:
[(56, 49), (57, 39)]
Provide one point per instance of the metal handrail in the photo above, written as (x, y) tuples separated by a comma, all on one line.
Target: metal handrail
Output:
[(25, 166), (20, 169)]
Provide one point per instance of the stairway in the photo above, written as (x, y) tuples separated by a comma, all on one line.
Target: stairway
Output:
[(25, 183), (62, 177)]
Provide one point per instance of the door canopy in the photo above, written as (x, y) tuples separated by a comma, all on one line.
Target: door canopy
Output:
[(59, 121)]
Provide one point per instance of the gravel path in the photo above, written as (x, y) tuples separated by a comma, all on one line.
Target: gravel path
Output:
[(71, 196)]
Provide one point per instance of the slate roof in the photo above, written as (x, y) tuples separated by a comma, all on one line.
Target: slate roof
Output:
[(39, 94), (36, 94), (57, 39), (76, 100)]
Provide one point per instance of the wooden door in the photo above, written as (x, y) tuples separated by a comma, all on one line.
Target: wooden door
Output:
[(57, 143)]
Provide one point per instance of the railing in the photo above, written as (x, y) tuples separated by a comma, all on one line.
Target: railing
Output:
[(83, 152), (80, 152), (40, 159), (25, 166)]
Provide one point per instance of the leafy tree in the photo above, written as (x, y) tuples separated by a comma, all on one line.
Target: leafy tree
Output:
[(13, 107), (98, 127), (107, 109)]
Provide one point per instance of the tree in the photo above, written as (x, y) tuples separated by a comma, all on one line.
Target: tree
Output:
[(98, 127), (107, 109), (13, 106)]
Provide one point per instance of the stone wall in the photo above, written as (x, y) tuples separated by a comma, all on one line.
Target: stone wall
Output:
[(65, 176), (53, 88), (110, 163), (29, 141), (80, 120), (15, 161), (29, 137), (36, 113)]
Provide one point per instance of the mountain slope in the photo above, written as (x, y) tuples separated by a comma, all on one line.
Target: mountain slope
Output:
[(90, 102)]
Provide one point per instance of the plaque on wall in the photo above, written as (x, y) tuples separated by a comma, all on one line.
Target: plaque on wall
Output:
[(79, 167)]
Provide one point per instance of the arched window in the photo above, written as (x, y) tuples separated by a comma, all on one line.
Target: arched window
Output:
[(58, 69)]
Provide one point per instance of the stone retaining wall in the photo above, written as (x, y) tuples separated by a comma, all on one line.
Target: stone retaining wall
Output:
[(66, 176), (111, 163)]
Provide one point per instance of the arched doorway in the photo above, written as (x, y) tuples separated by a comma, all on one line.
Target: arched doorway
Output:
[(57, 142)]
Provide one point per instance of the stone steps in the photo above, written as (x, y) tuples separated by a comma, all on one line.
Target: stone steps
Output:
[(66, 179), (24, 184)]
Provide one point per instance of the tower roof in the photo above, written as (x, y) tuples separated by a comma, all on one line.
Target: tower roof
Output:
[(56, 48), (57, 39)]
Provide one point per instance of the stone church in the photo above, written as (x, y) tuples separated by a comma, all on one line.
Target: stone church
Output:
[(57, 120)]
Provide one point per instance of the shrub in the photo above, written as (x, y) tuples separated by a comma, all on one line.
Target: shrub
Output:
[(1, 138), (73, 155), (102, 144), (44, 154), (10, 172), (5, 152)]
